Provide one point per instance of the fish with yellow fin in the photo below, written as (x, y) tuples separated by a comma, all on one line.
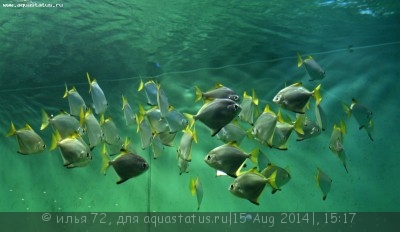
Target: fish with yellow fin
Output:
[(363, 116), (75, 100), (74, 150), (64, 123), (29, 141), (144, 129), (150, 89), (99, 99), (217, 114), (127, 164), (196, 189), (249, 185), (232, 132), (324, 183), (185, 145), (219, 91), (129, 115), (314, 70), (278, 176), (264, 126), (92, 127), (295, 97), (336, 142), (249, 106), (282, 132), (230, 159)]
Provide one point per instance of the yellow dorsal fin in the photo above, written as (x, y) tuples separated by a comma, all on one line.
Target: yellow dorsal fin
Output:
[(299, 60), (138, 123), (90, 82), (255, 98), (28, 127), (126, 143), (141, 85), (272, 179), (124, 102), (45, 120), (218, 85), (342, 126), (102, 120), (267, 109), (66, 91), (245, 95)]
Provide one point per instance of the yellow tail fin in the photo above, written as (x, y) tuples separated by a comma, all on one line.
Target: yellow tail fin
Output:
[(317, 94), (199, 94), (12, 130)]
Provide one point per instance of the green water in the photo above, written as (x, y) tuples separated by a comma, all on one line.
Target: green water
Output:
[(243, 45)]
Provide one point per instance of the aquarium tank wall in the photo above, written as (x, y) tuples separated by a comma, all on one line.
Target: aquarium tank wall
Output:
[(210, 106)]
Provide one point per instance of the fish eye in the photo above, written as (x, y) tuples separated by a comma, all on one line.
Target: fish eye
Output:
[(236, 106), (231, 187), (234, 97), (277, 98), (208, 157), (144, 165), (44, 146)]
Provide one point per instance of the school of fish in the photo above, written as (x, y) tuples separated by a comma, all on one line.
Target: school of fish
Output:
[(231, 117)]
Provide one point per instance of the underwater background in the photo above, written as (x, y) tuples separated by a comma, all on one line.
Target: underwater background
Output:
[(244, 45)]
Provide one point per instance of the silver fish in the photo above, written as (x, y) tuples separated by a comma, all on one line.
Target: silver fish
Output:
[(93, 128), (99, 99), (64, 123), (336, 142), (150, 89), (217, 114), (129, 115), (74, 151), (185, 145), (196, 189), (75, 101), (29, 141), (310, 128), (176, 121), (162, 101), (264, 126), (157, 146), (144, 128), (231, 133), (278, 176), (154, 117), (363, 116), (229, 158), (314, 70), (183, 165), (249, 185), (324, 182), (110, 131), (219, 91), (249, 108), (295, 97), (127, 165)]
